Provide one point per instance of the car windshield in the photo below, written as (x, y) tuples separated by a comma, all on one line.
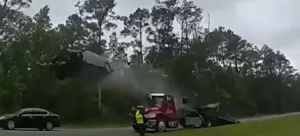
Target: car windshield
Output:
[(156, 101), (18, 111)]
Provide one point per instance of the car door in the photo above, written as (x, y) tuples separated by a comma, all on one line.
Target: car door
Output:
[(25, 119), (39, 118)]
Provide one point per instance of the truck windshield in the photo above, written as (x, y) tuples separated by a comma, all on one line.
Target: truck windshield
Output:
[(156, 101)]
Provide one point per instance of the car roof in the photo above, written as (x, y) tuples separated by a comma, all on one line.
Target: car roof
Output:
[(99, 60), (34, 109)]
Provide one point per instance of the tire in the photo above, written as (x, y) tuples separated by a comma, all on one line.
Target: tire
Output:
[(182, 122), (41, 129), (49, 126), (161, 126), (10, 125)]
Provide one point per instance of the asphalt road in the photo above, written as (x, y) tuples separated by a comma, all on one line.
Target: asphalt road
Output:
[(104, 131), (70, 132)]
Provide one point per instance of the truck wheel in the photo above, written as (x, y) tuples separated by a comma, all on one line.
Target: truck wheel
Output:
[(182, 122), (161, 126)]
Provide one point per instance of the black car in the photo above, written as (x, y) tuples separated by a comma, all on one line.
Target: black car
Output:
[(30, 118)]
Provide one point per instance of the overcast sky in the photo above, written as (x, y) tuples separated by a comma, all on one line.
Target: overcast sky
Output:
[(272, 22)]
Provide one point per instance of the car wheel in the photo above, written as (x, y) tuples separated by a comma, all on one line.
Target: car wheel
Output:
[(49, 126), (161, 126), (10, 125)]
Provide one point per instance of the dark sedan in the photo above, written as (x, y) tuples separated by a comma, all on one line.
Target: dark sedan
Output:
[(30, 118)]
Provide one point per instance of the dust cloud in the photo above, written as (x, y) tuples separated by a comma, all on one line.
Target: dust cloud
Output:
[(140, 80)]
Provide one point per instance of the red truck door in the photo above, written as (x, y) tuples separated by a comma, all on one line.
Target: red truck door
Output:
[(170, 108), (171, 111)]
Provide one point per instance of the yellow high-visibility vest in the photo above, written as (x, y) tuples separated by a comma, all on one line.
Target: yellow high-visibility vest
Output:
[(139, 117)]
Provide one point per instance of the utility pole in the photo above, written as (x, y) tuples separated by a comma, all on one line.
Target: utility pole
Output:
[(208, 27), (99, 98)]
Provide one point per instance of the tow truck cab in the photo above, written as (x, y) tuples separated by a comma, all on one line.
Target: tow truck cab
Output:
[(161, 111)]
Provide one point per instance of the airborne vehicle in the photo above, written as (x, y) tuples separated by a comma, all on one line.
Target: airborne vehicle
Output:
[(84, 64)]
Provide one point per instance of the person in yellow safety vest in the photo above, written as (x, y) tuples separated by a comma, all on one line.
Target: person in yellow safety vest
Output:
[(140, 122)]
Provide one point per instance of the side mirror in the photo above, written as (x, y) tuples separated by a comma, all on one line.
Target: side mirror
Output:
[(185, 100)]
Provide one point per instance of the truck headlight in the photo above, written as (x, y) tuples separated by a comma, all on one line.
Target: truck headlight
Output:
[(150, 115), (2, 117)]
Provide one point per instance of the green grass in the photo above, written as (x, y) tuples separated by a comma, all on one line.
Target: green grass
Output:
[(285, 126)]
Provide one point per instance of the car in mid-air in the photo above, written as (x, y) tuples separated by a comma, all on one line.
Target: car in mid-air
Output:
[(30, 118)]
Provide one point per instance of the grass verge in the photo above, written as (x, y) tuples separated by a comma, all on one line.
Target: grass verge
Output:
[(285, 126)]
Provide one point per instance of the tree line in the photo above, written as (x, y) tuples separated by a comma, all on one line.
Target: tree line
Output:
[(217, 65)]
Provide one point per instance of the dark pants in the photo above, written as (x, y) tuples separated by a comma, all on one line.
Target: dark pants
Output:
[(141, 129)]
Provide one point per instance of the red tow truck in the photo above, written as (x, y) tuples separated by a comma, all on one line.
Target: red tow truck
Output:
[(163, 112)]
